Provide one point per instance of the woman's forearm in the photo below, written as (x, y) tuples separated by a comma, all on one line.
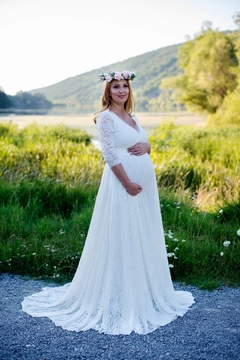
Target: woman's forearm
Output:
[(121, 174)]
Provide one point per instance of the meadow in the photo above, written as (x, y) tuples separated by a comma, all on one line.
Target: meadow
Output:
[(49, 177)]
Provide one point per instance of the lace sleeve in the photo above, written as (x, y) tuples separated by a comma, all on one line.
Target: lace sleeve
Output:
[(105, 127)]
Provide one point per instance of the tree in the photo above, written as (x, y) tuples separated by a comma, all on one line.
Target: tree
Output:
[(229, 111), (4, 100), (209, 64)]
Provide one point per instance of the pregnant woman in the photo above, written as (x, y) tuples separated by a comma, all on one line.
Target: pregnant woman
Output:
[(122, 283)]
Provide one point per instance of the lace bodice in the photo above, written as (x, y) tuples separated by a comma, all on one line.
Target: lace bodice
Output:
[(116, 136)]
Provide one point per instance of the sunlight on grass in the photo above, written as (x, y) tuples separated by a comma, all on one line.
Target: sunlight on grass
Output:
[(49, 181)]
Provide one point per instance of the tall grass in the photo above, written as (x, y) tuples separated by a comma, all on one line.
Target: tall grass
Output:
[(205, 162), (49, 181)]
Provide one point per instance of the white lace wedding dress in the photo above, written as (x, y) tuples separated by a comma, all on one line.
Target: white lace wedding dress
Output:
[(122, 283)]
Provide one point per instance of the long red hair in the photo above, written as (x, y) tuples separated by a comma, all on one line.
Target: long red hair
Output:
[(107, 100)]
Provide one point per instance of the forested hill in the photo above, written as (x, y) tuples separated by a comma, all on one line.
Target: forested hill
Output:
[(84, 91)]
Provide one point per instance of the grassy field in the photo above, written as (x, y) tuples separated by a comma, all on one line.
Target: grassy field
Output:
[(49, 181)]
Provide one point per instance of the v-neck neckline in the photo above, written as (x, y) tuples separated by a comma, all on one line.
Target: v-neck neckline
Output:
[(138, 127)]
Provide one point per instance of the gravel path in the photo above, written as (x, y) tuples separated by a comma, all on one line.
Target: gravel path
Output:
[(209, 330)]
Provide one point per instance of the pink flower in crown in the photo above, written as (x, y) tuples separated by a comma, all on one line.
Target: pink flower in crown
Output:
[(126, 74), (117, 76), (108, 78)]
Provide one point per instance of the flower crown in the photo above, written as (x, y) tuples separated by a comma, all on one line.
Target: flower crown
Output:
[(117, 75)]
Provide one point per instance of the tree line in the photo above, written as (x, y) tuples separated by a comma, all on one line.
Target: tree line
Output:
[(24, 100), (210, 78)]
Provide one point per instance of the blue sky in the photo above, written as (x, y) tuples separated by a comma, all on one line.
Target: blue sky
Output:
[(46, 41)]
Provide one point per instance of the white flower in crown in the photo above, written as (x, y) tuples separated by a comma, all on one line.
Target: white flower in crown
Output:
[(126, 74), (118, 76), (108, 78)]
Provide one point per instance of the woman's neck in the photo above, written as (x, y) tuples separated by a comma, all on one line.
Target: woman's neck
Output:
[(118, 109)]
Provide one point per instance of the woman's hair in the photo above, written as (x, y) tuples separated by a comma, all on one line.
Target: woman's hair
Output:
[(107, 100)]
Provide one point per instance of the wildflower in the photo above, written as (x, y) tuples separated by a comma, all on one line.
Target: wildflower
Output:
[(220, 211), (175, 240), (183, 240), (238, 232), (170, 254), (221, 253), (61, 232), (175, 257), (33, 253), (54, 267), (176, 248), (226, 243), (166, 245), (171, 265), (57, 275)]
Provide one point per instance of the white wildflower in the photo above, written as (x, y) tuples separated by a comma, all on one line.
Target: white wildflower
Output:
[(33, 253), (220, 211), (175, 240), (176, 248), (221, 253), (183, 240), (171, 265), (238, 232), (226, 243), (170, 254)]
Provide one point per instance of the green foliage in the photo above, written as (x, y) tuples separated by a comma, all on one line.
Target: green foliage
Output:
[(47, 152), (229, 111), (205, 162), (49, 181), (195, 241), (209, 62)]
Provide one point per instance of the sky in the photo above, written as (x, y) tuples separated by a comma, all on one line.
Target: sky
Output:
[(46, 41)]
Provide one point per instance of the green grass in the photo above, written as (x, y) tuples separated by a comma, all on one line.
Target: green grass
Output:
[(49, 181)]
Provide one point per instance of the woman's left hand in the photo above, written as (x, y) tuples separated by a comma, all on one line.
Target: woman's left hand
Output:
[(139, 149)]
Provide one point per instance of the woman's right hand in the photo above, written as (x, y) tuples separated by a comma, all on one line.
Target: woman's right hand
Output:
[(133, 189)]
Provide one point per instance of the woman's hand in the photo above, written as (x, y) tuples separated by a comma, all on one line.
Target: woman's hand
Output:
[(139, 149), (133, 189)]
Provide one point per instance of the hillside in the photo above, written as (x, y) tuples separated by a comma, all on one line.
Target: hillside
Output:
[(84, 92)]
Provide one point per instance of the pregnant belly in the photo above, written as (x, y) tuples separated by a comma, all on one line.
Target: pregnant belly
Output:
[(138, 168)]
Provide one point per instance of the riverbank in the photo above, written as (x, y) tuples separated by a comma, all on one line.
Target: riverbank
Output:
[(149, 121)]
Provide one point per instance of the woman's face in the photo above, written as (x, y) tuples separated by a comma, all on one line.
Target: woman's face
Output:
[(119, 91)]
